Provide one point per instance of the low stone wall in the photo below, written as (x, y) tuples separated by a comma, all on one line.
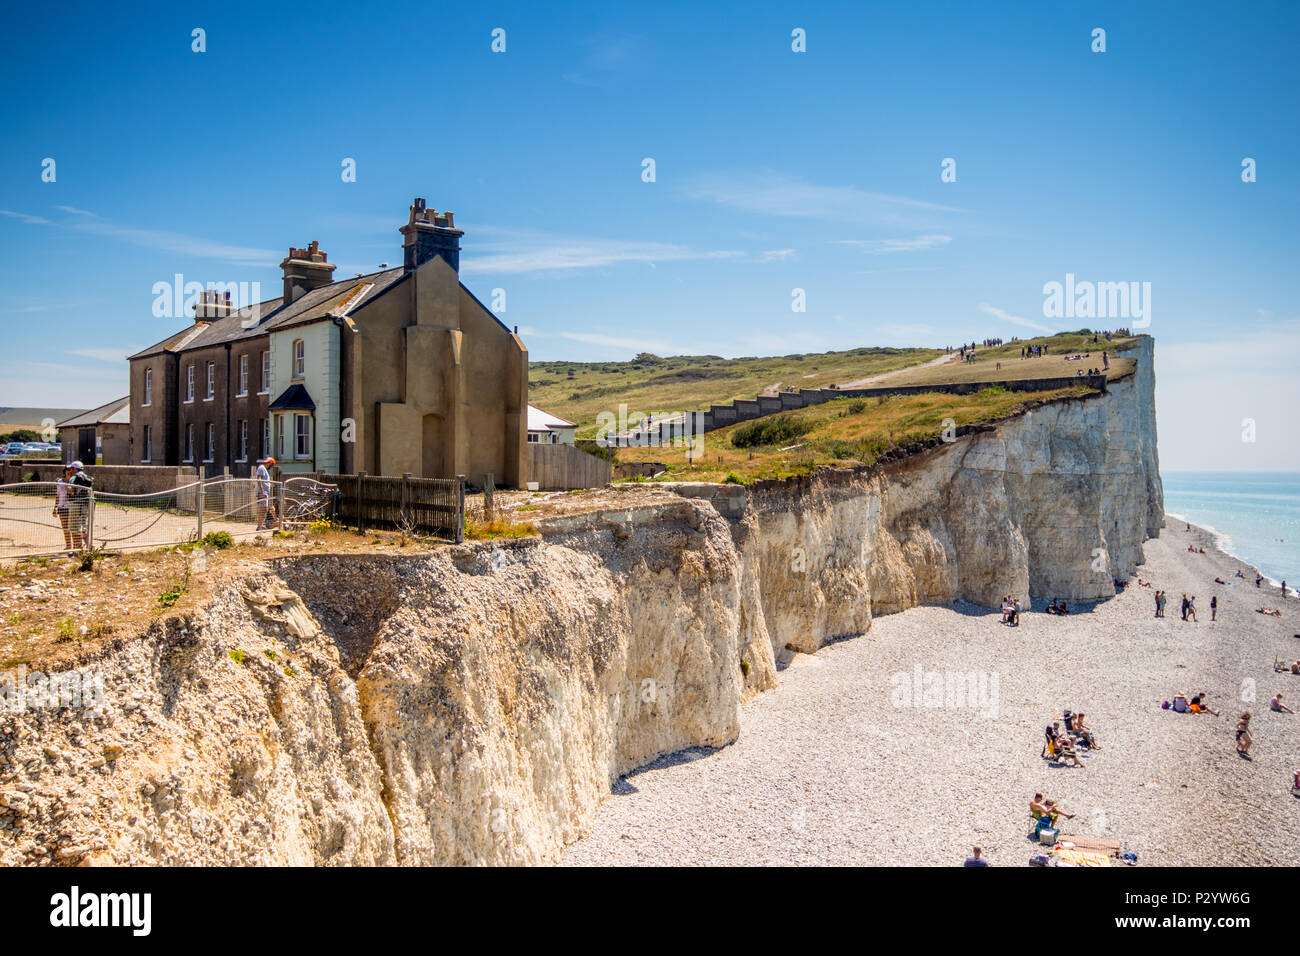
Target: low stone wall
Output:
[(118, 479), (742, 410)]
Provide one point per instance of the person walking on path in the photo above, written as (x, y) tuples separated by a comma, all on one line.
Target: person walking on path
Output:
[(1214, 607), (266, 516), (62, 507), (79, 486), (1243, 735), (1191, 608), (1184, 607)]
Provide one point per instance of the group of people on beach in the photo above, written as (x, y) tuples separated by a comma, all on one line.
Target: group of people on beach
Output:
[(1011, 609), (1062, 744)]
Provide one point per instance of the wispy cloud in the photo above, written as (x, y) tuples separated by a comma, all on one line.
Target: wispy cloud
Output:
[(875, 247), (776, 194), (614, 341), (183, 245), (1013, 319), (777, 255), (157, 238), (526, 251), (24, 217), (103, 355)]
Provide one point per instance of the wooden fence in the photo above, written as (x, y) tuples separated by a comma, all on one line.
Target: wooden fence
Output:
[(435, 505), (564, 468)]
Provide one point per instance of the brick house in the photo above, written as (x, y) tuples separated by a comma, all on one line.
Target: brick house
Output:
[(395, 372)]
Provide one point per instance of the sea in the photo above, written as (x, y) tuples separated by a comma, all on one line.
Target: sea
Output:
[(1255, 516)]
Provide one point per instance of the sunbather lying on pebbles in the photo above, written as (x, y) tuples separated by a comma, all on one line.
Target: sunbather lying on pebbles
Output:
[(1271, 611)]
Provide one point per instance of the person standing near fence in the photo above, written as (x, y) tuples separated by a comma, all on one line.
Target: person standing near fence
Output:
[(79, 485), (266, 516), (61, 508)]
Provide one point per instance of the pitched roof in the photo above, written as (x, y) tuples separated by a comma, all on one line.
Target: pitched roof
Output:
[(293, 398), (273, 314), (116, 412), (539, 420)]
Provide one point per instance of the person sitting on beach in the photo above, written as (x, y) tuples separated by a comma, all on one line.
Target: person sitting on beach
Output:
[(1243, 735), (1068, 752), (1200, 550), (1041, 808), (1200, 706), (975, 859), (1220, 581), (1239, 574), (1275, 704), (1180, 704), (1295, 668), (1085, 732)]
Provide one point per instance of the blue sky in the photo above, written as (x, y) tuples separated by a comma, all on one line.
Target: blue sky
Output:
[(775, 170)]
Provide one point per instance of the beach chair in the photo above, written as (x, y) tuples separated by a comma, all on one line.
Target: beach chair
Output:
[(1280, 666)]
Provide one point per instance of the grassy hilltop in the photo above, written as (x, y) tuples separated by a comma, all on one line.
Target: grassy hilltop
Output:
[(579, 391)]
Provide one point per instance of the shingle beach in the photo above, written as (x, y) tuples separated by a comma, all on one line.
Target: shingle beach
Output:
[(836, 766)]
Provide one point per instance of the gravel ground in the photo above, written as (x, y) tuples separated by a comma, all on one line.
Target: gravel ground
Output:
[(830, 769)]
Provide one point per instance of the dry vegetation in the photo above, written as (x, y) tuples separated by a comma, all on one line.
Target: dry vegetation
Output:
[(1053, 364), (579, 391), (843, 432)]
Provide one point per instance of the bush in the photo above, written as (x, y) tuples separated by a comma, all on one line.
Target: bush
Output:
[(773, 431), (734, 479), (219, 540)]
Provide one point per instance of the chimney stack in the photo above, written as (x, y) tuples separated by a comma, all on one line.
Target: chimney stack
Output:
[(304, 270), (429, 234), (212, 304)]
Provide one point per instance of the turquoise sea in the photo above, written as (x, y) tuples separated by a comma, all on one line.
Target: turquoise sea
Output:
[(1255, 516)]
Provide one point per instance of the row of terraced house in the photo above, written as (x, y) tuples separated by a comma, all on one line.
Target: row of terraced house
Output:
[(401, 371)]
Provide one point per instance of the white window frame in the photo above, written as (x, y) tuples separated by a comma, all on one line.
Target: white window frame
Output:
[(146, 439), (242, 440), (300, 436), (189, 384), (148, 387), (243, 375), (266, 373), (279, 437), (299, 358), (211, 391), (209, 442), (189, 443), (264, 438)]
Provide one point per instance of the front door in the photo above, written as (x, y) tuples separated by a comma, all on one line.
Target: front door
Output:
[(86, 446)]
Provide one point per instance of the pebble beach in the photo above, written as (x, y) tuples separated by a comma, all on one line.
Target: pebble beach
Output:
[(846, 763)]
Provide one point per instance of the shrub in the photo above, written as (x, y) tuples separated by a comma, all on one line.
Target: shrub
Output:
[(770, 432), (237, 656), (219, 540), (734, 479)]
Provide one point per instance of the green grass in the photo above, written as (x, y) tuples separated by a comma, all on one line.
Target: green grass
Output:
[(1054, 364), (847, 432), (579, 391)]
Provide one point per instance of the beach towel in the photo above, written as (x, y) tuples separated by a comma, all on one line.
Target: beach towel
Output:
[(1080, 857)]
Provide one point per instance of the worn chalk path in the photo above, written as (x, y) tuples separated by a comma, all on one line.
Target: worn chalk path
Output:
[(828, 770)]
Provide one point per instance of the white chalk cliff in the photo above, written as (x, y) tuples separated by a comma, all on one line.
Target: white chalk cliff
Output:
[(475, 704)]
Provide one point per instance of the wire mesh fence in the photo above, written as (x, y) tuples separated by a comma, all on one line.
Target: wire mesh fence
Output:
[(46, 518)]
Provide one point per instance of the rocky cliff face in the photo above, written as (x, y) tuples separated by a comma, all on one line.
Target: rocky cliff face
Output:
[(473, 705)]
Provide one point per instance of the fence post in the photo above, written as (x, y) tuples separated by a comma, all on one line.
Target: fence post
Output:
[(489, 489), (459, 518), (198, 508), (90, 519), (279, 505), (361, 499)]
